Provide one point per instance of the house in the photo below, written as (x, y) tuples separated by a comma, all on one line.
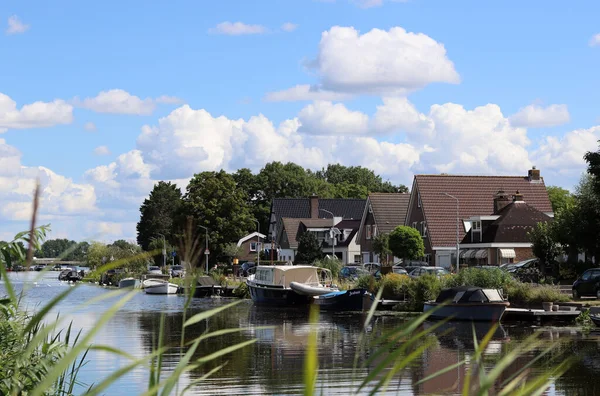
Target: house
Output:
[(383, 212), (292, 216), (444, 208), (249, 246)]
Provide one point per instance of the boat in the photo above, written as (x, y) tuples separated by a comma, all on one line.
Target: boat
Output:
[(130, 283), (207, 287), (159, 286), (595, 319), (271, 284), (69, 275), (343, 300), (322, 286), (468, 303)]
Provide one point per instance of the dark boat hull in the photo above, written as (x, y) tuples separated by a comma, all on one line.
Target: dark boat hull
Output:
[(207, 291), (265, 295), (596, 320), (349, 300), (487, 312)]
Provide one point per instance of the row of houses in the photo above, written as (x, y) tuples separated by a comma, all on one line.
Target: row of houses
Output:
[(489, 217)]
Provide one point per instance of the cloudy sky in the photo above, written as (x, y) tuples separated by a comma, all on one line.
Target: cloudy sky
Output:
[(99, 100)]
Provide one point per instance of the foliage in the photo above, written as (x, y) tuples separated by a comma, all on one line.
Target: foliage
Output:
[(367, 282), (64, 249), (527, 294), (424, 288), (395, 286), (332, 264), (493, 278), (309, 249), (242, 291), (128, 254), (584, 319), (214, 201), (231, 250), (560, 198), (157, 214), (544, 246), (406, 242), (15, 252), (381, 247)]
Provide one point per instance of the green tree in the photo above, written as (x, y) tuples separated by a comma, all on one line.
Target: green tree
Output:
[(339, 174), (406, 242), (588, 217), (231, 250), (560, 198), (214, 201), (381, 247), (593, 160), (545, 247), (157, 214), (53, 248), (309, 249)]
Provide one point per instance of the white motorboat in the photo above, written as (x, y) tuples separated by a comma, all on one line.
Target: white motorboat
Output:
[(129, 283), (159, 286), (312, 289)]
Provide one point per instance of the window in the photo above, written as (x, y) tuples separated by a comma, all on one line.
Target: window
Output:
[(477, 226), (368, 232), (423, 229), (586, 275), (253, 246), (414, 225), (418, 199), (356, 258), (374, 231)]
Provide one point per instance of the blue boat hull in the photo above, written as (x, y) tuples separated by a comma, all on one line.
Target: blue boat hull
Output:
[(348, 300), (276, 296), (486, 312)]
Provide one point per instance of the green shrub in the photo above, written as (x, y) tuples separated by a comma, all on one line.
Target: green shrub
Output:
[(331, 264), (422, 289), (526, 294), (493, 278), (395, 286), (368, 282), (242, 291)]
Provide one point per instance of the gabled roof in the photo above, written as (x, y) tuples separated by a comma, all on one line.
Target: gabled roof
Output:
[(515, 222), (389, 210), (476, 197), (250, 236), (317, 223), (290, 228)]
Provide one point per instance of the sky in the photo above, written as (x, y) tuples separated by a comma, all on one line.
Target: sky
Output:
[(99, 101)]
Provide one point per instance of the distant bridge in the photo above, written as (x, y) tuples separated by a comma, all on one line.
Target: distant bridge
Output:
[(46, 261)]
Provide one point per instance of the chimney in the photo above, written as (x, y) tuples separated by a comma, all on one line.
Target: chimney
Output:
[(534, 175), (314, 206), (518, 197), (501, 200)]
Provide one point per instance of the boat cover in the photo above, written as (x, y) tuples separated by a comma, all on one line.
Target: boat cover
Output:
[(469, 294)]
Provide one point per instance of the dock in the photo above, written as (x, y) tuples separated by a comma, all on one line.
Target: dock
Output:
[(539, 315)]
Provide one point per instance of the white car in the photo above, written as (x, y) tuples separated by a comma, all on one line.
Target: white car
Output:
[(154, 270), (372, 267), (438, 271)]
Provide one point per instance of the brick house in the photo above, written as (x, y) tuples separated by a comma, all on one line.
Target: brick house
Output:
[(249, 246), (433, 211), (383, 212)]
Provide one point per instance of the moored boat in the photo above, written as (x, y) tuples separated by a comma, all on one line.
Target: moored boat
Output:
[(595, 319), (324, 285), (207, 287), (159, 286), (131, 283), (271, 284), (468, 303), (344, 300)]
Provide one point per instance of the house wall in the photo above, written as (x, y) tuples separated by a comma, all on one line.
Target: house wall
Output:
[(366, 245), (353, 249), (523, 254), (416, 215), (286, 254), (246, 254)]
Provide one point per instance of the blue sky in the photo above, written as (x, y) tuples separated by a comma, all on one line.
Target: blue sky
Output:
[(398, 102)]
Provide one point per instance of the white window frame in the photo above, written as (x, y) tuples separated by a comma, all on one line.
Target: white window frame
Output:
[(368, 234), (418, 199), (253, 246), (374, 231)]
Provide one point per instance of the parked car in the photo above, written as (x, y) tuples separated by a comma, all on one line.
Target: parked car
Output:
[(399, 271), (525, 264), (154, 270), (438, 271), (588, 284), (352, 272), (371, 267), (39, 267), (177, 271)]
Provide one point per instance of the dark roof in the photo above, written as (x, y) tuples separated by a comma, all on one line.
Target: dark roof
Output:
[(295, 226), (389, 210), (515, 222), (317, 223), (476, 198)]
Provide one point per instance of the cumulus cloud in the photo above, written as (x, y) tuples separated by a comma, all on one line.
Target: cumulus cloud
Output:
[(15, 26), (305, 93), (118, 101), (237, 29), (595, 40), (90, 126), (535, 116), (34, 115), (102, 150), (289, 27), (326, 118)]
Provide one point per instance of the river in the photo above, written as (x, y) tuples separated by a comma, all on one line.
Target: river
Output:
[(274, 364)]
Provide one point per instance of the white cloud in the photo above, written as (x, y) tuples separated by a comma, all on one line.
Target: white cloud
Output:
[(15, 26), (102, 150), (535, 116), (34, 115), (90, 126), (305, 93), (326, 118), (237, 29), (289, 27), (595, 40), (118, 101)]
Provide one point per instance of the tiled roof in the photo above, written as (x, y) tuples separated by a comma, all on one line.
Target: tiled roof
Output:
[(516, 221), (346, 208), (291, 227), (317, 223), (389, 210), (476, 197)]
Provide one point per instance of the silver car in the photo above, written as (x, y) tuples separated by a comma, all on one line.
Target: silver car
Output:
[(177, 271), (438, 271)]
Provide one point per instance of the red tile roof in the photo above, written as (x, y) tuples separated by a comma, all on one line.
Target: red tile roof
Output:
[(389, 210), (476, 198)]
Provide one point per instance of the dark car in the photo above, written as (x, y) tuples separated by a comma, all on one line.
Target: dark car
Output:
[(247, 266), (353, 272), (588, 284), (523, 265)]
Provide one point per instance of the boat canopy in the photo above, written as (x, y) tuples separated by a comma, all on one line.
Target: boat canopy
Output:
[(467, 294), (282, 275)]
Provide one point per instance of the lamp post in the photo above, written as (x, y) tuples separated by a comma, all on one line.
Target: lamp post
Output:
[(457, 241), (258, 239), (331, 232), (206, 251), (164, 250)]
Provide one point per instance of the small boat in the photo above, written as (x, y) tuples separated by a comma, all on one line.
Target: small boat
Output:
[(69, 275), (312, 289), (207, 287), (344, 300), (271, 284), (159, 286), (595, 319), (129, 283), (468, 303)]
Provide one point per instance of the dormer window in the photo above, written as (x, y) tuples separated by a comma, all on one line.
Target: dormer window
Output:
[(476, 231)]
